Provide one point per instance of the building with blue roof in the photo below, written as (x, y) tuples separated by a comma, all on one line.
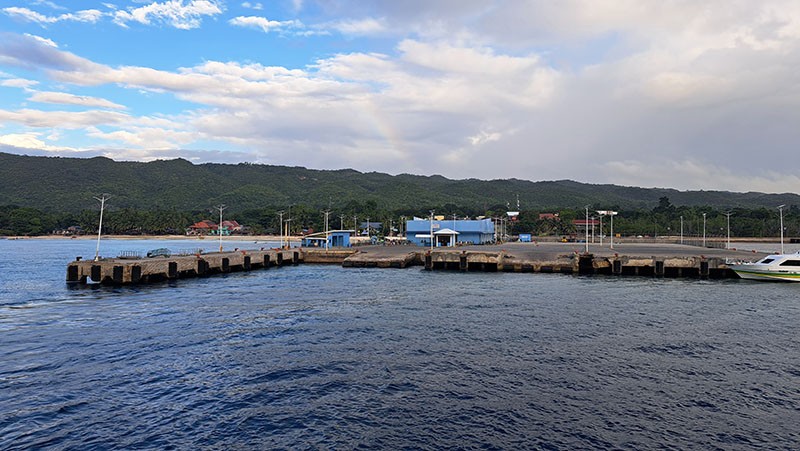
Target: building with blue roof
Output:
[(450, 232)]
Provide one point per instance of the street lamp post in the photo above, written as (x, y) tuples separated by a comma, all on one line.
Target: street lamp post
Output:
[(601, 214), (103, 198), (220, 207), (780, 209), (431, 230), (280, 226), (586, 224), (681, 229), (728, 244), (704, 230)]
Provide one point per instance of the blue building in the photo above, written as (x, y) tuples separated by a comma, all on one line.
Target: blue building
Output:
[(335, 238), (448, 232), (524, 237)]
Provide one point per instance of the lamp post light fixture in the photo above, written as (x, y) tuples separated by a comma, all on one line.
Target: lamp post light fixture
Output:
[(102, 199), (780, 209), (610, 213)]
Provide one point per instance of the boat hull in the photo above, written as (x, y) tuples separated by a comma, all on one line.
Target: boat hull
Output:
[(750, 273)]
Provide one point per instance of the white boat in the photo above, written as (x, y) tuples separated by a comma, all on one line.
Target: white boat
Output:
[(777, 267)]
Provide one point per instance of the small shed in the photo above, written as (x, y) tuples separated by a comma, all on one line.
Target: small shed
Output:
[(334, 238), (524, 237)]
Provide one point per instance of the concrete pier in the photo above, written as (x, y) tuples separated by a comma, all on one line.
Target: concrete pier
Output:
[(650, 260), (124, 271)]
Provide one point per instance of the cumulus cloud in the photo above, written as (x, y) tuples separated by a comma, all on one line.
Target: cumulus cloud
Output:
[(264, 24), (175, 13), (18, 83), (678, 94), (88, 15), (30, 140), (61, 119), (256, 6), (64, 98)]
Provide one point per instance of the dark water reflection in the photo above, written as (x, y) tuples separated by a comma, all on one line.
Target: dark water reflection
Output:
[(325, 357)]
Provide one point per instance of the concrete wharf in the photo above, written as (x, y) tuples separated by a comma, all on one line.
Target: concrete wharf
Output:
[(637, 259)]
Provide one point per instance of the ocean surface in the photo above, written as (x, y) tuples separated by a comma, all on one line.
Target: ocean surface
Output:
[(323, 357)]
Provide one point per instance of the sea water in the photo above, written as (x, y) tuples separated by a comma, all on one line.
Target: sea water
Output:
[(324, 357)]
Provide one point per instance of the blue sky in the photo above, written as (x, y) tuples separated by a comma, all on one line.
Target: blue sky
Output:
[(681, 94)]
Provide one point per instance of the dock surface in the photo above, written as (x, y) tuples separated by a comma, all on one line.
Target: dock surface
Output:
[(642, 259)]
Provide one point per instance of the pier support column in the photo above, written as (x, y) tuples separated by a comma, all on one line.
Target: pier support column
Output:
[(172, 270), (703, 269), (295, 257), (97, 273), (246, 263), (279, 258), (462, 261), (659, 265), (117, 275), (202, 267), (226, 264), (266, 261), (136, 273), (72, 274), (616, 267), (586, 264), (428, 261)]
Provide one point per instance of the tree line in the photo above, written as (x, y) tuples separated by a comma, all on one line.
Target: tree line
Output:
[(664, 219)]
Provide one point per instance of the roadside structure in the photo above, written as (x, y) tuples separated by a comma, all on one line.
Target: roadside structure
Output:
[(449, 232)]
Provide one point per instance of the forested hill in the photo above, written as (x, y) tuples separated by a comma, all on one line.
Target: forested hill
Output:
[(55, 184)]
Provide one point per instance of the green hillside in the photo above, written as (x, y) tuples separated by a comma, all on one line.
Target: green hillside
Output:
[(54, 184)]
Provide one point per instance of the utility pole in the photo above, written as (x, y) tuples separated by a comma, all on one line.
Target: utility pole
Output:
[(220, 207), (102, 199)]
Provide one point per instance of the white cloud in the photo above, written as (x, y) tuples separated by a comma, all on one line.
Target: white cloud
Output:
[(45, 41), (62, 119), (18, 83), (682, 94), (30, 140), (368, 26), (255, 6), (264, 24), (88, 16), (175, 13), (64, 98)]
